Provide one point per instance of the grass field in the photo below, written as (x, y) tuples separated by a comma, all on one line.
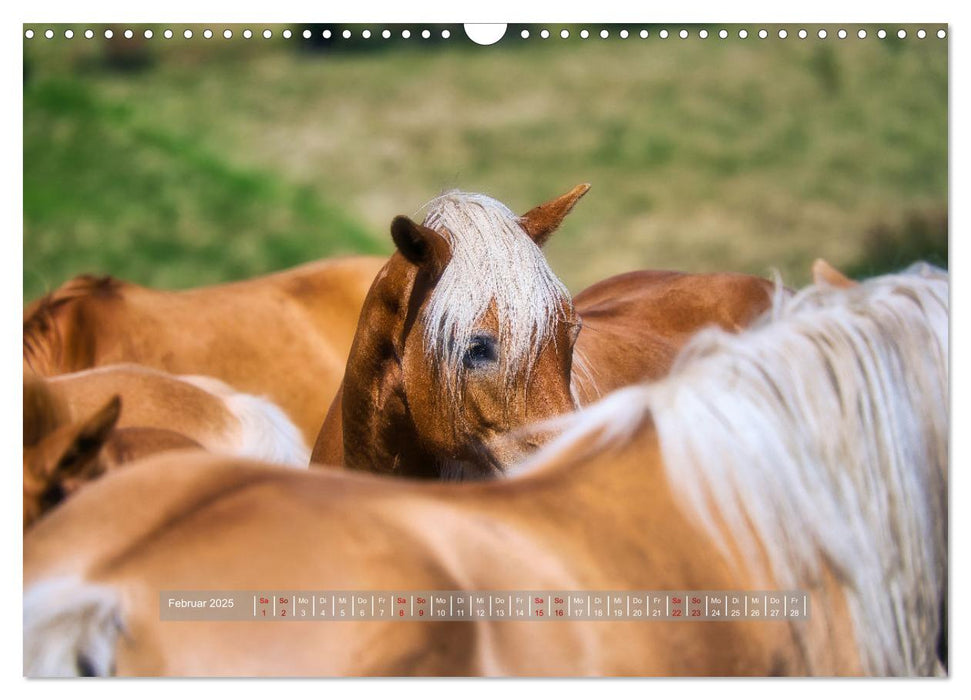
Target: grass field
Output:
[(201, 162)]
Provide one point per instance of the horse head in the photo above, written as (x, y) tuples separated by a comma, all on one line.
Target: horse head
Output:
[(465, 336)]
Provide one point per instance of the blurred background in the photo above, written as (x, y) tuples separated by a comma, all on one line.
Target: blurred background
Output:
[(182, 162)]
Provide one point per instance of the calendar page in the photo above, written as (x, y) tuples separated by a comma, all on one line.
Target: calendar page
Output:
[(511, 350)]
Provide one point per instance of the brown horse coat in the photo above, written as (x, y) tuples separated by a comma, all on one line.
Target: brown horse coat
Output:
[(284, 336), (217, 524), (612, 504), (634, 324)]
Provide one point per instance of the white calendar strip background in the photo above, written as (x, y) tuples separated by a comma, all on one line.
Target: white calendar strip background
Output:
[(281, 606)]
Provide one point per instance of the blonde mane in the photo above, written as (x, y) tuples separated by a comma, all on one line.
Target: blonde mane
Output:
[(493, 262), (818, 438)]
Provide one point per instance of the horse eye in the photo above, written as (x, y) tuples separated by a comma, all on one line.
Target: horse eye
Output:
[(481, 351)]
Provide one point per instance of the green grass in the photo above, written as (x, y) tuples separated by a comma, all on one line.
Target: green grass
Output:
[(103, 193), (219, 161)]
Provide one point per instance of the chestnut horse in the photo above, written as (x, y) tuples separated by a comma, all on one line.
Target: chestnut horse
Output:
[(809, 452), (284, 336), (467, 334), (79, 425)]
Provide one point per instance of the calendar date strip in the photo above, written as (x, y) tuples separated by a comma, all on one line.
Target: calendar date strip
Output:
[(453, 606)]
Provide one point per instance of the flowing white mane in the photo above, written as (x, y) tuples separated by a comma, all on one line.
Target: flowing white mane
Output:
[(493, 262), (820, 436)]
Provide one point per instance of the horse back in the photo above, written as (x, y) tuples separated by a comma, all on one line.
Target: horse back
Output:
[(634, 324), (260, 335), (673, 302), (151, 399)]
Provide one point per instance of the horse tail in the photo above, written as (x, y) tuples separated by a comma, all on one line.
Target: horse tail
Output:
[(266, 432), (70, 628)]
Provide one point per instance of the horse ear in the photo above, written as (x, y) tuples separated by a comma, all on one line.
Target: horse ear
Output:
[(542, 221), (76, 457), (420, 245), (64, 460), (824, 273)]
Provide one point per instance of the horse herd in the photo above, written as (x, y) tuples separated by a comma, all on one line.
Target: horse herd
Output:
[(657, 431)]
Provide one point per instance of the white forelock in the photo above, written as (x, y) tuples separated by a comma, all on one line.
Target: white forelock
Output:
[(493, 262)]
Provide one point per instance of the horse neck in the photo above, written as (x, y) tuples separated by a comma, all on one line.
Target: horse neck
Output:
[(610, 489), (606, 503), (628, 480), (378, 432)]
